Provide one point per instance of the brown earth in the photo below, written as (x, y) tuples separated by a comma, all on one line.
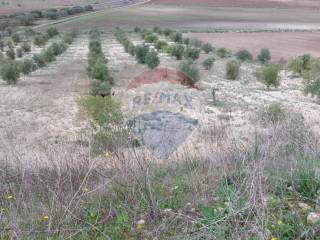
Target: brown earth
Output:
[(199, 18), (245, 3), (282, 44), (159, 75)]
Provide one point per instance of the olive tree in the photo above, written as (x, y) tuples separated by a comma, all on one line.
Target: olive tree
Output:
[(233, 69), (190, 70), (270, 75), (312, 79), (141, 53), (208, 63), (244, 55), (264, 55), (10, 71), (152, 59)]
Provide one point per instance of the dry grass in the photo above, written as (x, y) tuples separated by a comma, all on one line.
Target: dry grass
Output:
[(88, 197), (225, 189)]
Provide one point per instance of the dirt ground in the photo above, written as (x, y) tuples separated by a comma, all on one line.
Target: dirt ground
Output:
[(245, 3), (41, 109), (282, 45), (236, 110)]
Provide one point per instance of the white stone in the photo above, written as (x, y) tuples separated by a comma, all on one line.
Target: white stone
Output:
[(313, 218), (304, 206)]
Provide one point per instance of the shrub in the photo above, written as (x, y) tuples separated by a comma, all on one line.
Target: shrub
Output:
[(152, 59), (29, 32), (145, 32), (296, 66), (270, 75), (300, 64), (10, 71), (95, 46), (306, 60), (16, 38), (77, 9), (26, 47), (39, 60), (312, 80), (10, 44), (52, 31), (208, 63), (192, 53), (233, 69), (103, 112), (108, 132), (264, 55), (151, 38), (167, 32), (137, 29), (19, 52), (57, 48), (186, 41), (26, 20), (190, 70), (222, 52), (100, 88), (88, 8), (176, 37), (207, 47), (126, 44), (161, 44), (51, 14), (11, 54), (27, 66), (244, 55), (36, 13), (40, 40), (1, 45), (196, 43), (48, 55), (131, 49), (141, 53), (157, 30), (69, 36), (98, 69), (272, 114), (177, 51)]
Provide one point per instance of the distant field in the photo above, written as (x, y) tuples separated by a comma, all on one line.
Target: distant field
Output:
[(199, 18), (282, 45), (245, 3)]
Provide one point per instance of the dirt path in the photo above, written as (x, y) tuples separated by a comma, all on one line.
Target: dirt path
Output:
[(41, 109)]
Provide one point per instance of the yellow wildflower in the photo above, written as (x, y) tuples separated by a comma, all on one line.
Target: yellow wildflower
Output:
[(279, 222), (85, 189), (273, 226), (45, 217), (10, 197), (106, 154), (140, 225), (274, 238)]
